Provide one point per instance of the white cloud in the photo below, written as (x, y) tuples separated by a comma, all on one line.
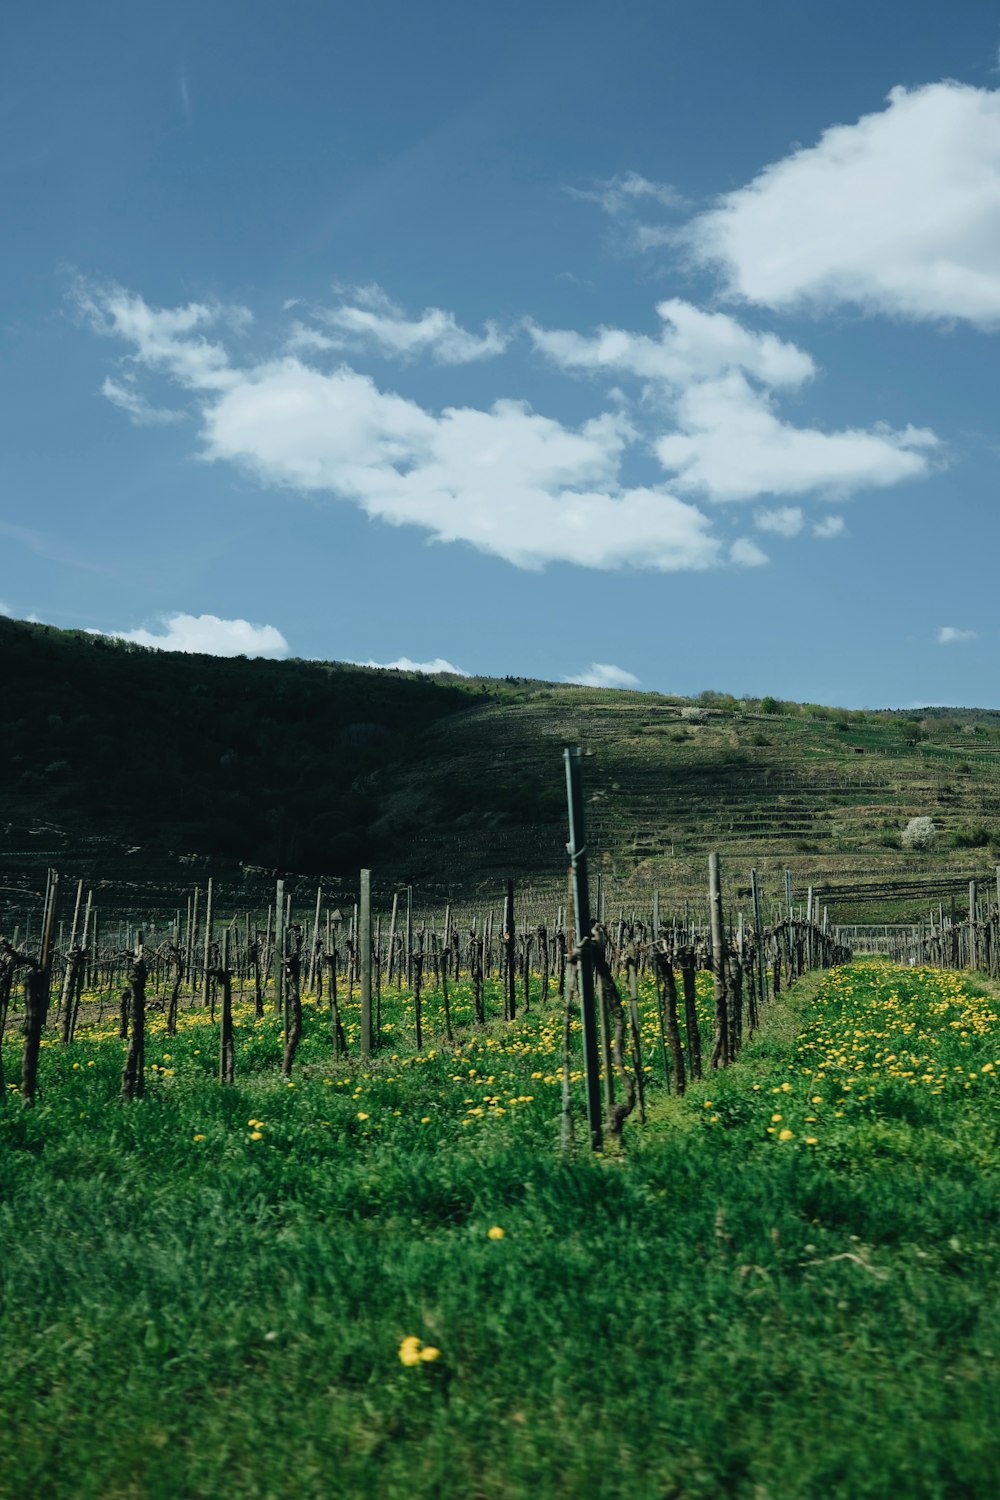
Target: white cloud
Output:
[(617, 194), (693, 345), (208, 635), (128, 399), (950, 635), (404, 664), (506, 479), (165, 339), (829, 527), (5, 610), (784, 520), (746, 554), (731, 446), (898, 213), (373, 319), (604, 674)]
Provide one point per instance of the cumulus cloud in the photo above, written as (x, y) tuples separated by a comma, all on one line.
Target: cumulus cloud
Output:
[(784, 520), (897, 213), (373, 319), (618, 194), (5, 610), (165, 339), (829, 527), (693, 345), (951, 635), (506, 479), (604, 674), (207, 635), (731, 446), (404, 664)]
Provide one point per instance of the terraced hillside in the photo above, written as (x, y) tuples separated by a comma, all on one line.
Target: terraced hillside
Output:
[(144, 772), (821, 792)]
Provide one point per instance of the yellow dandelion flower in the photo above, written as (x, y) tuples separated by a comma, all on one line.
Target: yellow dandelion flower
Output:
[(786, 1134), (199, 1137), (496, 1233), (362, 1115), (429, 1353), (775, 1119), (409, 1350), (256, 1135)]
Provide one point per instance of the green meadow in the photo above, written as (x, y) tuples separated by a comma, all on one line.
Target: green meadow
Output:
[(389, 1281)]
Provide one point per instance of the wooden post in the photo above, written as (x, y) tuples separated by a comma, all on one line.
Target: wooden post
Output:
[(391, 952), (720, 1045), (758, 929), (279, 947), (314, 946), (206, 978), (133, 1073), (227, 1055), (48, 927), (193, 941), (510, 952), (973, 954), (365, 958), (69, 973), (581, 902), (409, 935)]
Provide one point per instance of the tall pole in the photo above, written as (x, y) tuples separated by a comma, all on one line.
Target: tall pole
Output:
[(365, 961), (720, 1046), (206, 980), (279, 946), (577, 849), (758, 929)]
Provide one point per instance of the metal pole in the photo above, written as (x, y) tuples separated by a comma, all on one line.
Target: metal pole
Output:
[(577, 850), (365, 958)]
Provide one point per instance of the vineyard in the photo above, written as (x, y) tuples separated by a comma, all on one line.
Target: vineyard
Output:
[(393, 1276), (589, 1182)]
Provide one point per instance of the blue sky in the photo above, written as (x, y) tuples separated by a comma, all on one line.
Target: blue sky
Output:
[(652, 343)]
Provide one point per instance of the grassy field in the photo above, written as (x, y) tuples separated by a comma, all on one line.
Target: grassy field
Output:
[(389, 1283)]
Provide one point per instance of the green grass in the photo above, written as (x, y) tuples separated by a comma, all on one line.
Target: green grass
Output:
[(190, 1311)]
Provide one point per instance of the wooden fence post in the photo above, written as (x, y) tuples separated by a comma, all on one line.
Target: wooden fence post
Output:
[(585, 972), (720, 1044)]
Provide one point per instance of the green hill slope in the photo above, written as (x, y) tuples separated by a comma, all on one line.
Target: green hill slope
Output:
[(124, 763)]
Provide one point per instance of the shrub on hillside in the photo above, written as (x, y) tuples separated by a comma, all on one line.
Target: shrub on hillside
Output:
[(919, 833)]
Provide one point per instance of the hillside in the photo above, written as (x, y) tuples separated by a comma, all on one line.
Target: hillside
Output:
[(145, 768)]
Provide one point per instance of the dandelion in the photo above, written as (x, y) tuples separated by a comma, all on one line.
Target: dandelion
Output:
[(786, 1134), (496, 1233), (775, 1119), (199, 1138), (256, 1135), (362, 1115), (409, 1350)]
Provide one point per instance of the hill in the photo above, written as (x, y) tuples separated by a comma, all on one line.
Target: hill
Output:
[(145, 767)]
